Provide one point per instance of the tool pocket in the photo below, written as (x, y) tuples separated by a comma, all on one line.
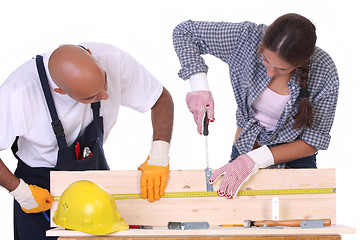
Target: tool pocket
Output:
[(68, 161), (95, 160), (89, 163)]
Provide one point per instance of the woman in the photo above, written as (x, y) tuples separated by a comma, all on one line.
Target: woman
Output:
[(285, 88)]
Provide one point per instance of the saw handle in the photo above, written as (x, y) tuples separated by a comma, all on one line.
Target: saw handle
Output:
[(287, 223), (206, 124)]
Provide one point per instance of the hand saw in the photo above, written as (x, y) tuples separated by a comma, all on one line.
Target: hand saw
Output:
[(208, 170)]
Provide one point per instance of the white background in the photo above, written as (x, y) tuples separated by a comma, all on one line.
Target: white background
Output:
[(144, 29)]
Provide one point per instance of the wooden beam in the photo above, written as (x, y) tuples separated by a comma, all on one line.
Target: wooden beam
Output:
[(290, 237), (215, 210), (212, 232)]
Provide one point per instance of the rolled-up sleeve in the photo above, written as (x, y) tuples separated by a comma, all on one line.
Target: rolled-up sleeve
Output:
[(324, 108), (192, 39)]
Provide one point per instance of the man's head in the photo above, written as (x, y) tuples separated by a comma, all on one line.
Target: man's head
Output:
[(77, 74)]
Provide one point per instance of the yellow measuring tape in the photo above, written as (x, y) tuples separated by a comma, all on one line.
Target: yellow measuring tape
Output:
[(240, 193)]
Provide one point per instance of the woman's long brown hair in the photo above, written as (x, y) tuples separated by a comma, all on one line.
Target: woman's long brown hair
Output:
[(293, 38)]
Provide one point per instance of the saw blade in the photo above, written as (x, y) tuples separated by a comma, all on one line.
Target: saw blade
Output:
[(208, 170)]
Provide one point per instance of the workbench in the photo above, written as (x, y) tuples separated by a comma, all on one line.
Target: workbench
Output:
[(291, 237), (215, 210), (213, 233)]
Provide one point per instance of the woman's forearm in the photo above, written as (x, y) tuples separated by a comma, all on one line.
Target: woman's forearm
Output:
[(291, 151)]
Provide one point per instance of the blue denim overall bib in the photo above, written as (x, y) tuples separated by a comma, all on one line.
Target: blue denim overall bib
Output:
[(33, 226)]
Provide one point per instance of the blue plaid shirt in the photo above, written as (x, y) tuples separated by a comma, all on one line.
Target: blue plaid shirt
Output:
[(237, 45)]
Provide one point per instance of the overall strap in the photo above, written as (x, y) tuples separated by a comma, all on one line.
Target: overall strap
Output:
[(56, 123), (96, 109)]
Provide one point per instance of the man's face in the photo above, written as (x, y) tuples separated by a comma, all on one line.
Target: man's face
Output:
[(91, 92), (89, 89)]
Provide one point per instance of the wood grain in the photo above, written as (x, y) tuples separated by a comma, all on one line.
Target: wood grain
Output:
[(215, 210)]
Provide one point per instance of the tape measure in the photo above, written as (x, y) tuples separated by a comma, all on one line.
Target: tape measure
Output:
[(240, 193)]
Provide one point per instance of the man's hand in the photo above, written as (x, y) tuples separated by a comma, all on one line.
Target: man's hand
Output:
[(153, 180), (31, 198), (240, 170), (198, 102)]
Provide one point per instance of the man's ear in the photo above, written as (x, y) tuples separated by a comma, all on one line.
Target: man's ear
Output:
[(59, 90)]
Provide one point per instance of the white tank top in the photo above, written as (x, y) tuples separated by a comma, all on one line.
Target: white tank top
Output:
[(268, 108)]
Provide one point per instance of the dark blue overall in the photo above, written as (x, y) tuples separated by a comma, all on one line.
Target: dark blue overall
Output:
[(33, 226)]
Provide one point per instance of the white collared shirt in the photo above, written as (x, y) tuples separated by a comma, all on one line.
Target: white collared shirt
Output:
[(24, 113)]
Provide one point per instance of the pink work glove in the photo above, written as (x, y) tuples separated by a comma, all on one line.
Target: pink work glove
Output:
[(198, 102), (235, 174), (240, 170)]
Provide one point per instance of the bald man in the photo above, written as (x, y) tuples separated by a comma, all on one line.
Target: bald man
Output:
[(57, 105)]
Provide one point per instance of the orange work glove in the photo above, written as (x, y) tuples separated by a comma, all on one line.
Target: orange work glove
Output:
[(31, 198), (153, 180)]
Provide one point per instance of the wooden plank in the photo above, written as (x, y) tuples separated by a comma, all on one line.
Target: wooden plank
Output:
[(291, 237), (194, 180), (215, 210), (213, 231)]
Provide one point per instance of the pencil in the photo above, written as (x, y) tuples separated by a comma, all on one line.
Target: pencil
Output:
[(141, 226), (231, 225)]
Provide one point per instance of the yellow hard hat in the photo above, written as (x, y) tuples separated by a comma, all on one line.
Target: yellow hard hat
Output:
[(87, 207)]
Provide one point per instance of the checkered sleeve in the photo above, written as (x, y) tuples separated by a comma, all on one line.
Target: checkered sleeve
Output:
[(324, 103), (192, 39)]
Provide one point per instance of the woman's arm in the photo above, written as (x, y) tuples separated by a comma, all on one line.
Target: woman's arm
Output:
[(288, 151), (192, 39), (291, 151)]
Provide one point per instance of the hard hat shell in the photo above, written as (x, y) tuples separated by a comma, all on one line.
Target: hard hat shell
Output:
[(87, 207)]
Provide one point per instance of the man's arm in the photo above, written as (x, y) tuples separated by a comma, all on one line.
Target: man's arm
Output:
[(156, 168), (162, 117), (7, 179), (32, 199)]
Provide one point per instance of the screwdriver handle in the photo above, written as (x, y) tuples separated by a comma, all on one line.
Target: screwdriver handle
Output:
[(206, 124), (287, 223)]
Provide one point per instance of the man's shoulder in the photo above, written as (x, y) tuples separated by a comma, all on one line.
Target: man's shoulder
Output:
[(23, 77), (100, 48)]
